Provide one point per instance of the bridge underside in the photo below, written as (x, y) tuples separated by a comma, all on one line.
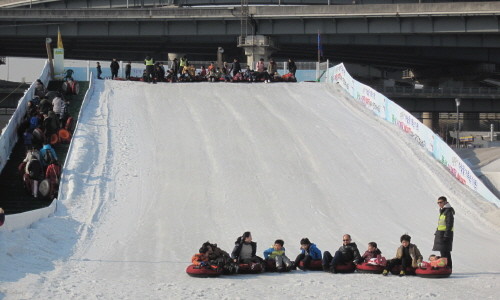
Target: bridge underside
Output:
[(355, 48), (399, 36)]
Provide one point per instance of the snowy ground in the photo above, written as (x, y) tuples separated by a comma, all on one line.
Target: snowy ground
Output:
[(156, 170)]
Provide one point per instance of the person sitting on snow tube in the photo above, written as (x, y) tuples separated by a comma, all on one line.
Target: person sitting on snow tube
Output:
[(348, 253), (372, 252), (309, 253), (276, 254), (407, 256), (201, 266), (218, 257), (244, 252)]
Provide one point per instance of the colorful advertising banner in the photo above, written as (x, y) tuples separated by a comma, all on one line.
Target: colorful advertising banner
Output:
[(424, 136)]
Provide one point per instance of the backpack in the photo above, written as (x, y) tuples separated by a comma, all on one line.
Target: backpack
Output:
[(48, 157)]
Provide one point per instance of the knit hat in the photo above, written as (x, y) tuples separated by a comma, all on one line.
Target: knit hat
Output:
[(405, 237)]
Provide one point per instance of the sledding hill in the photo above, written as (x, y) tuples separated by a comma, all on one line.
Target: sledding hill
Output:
[(156, 170)]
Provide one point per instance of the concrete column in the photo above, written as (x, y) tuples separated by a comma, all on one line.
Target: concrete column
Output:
[(470, 122), (171, 56), (257, 47), (427, 118), (431, 120)]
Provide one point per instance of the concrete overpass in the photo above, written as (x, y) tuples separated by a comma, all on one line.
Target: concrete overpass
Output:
[(398, 35)]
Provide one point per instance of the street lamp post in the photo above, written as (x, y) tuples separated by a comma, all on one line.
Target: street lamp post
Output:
[(457, 129)]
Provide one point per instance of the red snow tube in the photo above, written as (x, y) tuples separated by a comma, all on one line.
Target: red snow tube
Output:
[(314, 265), (347, 268), (370, 269), (397, 269), (27, 183), (271, 265), (54, 139), (22, 169), (203, 272), (252, 268), (70, 125), (434, 272), (64, 136)]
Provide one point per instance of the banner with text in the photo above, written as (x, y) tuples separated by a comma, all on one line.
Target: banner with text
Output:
[(424, 136)]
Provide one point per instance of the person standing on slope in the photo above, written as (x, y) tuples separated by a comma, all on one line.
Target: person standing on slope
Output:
[(443, 238), (150, 64), (114, 66)]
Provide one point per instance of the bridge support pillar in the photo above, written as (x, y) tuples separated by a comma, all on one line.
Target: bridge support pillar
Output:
[(431, 120), (171, 56), (257, 47), (470, 122)]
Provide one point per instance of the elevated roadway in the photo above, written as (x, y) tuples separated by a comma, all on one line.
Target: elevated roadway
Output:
[(409, 35)]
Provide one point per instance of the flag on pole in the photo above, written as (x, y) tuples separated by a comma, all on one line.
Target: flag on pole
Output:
[(320, 47), (59, 39)]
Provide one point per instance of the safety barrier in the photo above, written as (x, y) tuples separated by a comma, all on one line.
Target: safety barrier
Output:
[(9, 136), (424, 136)]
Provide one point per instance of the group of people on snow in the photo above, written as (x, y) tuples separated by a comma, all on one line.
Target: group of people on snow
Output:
[(407, 254), (181, 70)]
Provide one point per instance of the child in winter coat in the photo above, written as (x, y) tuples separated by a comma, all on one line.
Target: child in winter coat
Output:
[(407, 255), (372, 252), (309, 252), (277, 255), (245, 250), (373, 255)]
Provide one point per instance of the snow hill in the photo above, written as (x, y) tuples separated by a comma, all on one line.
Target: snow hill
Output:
[(156, 170)]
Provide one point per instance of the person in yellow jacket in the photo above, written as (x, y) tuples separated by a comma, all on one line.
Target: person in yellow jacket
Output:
[(443, 238), (150, 64), (407, 255)]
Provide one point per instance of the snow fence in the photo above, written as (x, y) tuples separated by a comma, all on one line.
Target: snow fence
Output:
[(424, 136), (24, 220)]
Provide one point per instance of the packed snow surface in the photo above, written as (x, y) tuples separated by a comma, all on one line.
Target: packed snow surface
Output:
[(156, 170)]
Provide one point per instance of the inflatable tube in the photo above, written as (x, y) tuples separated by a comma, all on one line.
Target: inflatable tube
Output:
[(443, 272), (271, 265), (252, 268), (44, 188), (70, 125), (345, 268), (64, 136), (28, 184), (54, 139), (315, 265), (202, 272), (369, 269), (22, 169), (397, 269)]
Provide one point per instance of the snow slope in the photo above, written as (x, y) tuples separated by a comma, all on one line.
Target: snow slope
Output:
[(156, 170)]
